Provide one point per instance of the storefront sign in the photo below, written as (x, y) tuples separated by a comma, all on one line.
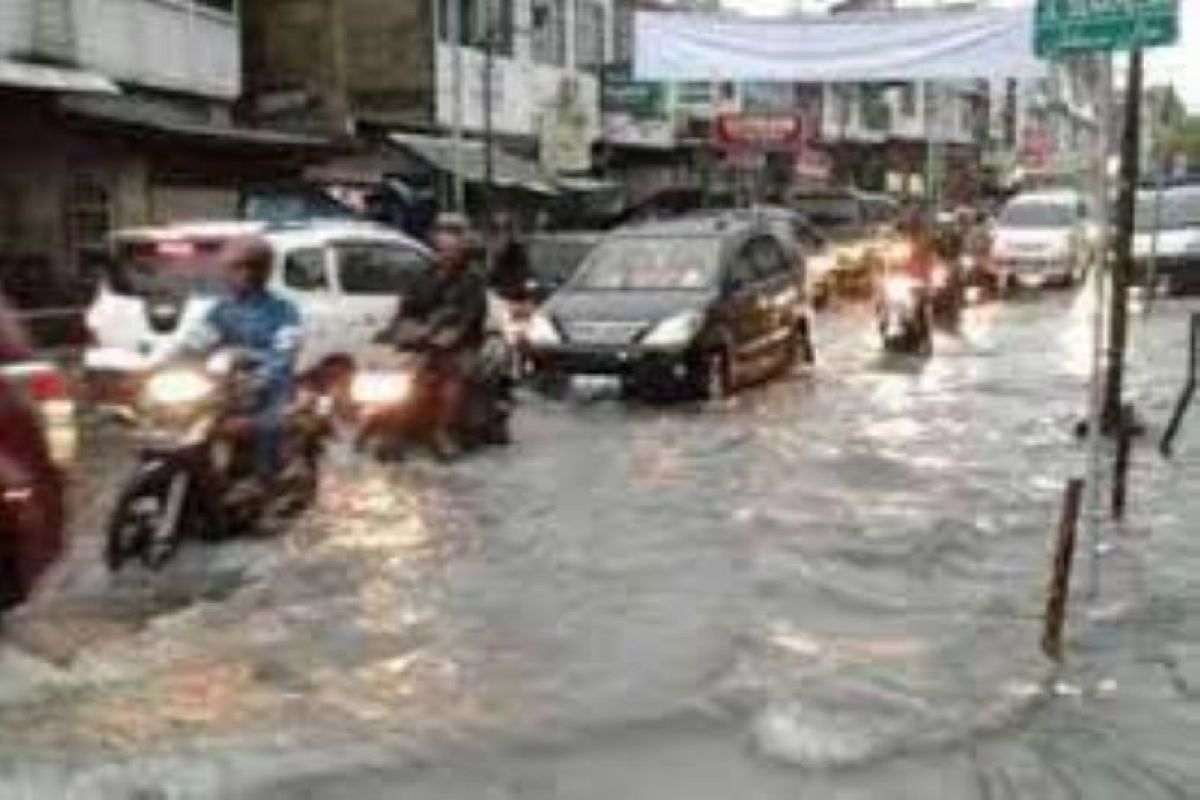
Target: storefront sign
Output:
[(759, 132)]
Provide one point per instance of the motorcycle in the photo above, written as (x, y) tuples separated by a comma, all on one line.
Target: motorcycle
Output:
[(904, 316), (946, 294), (394, 396), (196, 459)]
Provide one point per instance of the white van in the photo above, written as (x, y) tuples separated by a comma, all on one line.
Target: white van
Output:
[(343, 277), (1043, 238)]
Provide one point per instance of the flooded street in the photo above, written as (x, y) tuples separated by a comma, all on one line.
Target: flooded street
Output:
[(830, 587)]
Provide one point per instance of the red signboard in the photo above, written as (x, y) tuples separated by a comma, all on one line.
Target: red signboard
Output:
[(759, 132)]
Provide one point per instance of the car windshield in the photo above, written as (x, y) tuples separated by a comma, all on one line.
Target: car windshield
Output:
[(650, 264), (829, 212), (180, 267), (1177, 210), (1037, 214)]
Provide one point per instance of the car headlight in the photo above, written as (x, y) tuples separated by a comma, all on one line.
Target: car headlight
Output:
[(177, 387), (542, 331), (675, 331), (381, 388)]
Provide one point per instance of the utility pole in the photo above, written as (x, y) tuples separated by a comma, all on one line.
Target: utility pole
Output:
[(1118, 331), (454, 34), (489, 66)]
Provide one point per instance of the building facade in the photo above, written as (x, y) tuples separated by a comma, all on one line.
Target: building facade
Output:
[(117, 112), (372, 67)]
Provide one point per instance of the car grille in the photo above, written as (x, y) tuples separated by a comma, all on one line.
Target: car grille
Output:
[(604, 333)]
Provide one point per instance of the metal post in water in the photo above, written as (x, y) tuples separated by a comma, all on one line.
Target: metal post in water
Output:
[(1121, 464), (1059, 590), (1189, 390)]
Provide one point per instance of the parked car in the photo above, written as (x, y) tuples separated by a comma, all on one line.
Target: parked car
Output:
[(1043, 238), (1176, 248), (701, 306), (344, 278), (37, 441)]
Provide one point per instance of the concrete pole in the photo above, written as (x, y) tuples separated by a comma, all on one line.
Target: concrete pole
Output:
[(1094, 517)]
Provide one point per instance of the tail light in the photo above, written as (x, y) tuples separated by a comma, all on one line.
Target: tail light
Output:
[(47, 386), (50, 392)]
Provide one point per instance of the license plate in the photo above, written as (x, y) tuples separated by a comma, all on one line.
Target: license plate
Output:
[(595, 383)]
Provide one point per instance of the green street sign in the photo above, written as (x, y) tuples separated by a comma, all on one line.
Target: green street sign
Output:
[(639, 99), (1062, 27)]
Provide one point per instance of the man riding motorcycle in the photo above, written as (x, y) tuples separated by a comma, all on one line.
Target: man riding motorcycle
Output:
[(446, 317), (267, 327)]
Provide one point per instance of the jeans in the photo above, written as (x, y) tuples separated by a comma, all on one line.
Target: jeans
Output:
[(268, 429)]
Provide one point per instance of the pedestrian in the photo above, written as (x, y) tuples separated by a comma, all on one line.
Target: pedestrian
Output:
[(510, 274)]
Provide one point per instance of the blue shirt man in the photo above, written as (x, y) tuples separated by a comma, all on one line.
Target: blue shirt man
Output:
[(254, 319)]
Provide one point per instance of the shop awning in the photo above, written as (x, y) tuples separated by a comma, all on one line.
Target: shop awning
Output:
[(508, 171), (134, 112), (47, 78)]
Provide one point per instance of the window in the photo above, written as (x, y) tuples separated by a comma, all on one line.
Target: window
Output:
[(766, 259), (477, 20), (304, 270), (741, 271), (550, 32), (589, 35), (908, 101), (379, 268), (650, 264)]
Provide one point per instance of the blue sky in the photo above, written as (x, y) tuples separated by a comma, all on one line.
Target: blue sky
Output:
[(1179, 65)]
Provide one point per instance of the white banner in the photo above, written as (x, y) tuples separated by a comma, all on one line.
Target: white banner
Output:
[(910, 46)]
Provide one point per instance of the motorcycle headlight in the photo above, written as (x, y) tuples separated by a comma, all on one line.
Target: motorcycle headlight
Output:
[(675, 331), (177, 388), (899, 290), (899, 252), (940, 277), (381, 388), (542, 331)]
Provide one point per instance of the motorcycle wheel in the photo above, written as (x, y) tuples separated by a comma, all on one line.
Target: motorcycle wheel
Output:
[(150, 520)]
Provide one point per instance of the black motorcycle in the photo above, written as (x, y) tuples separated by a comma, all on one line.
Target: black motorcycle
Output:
[(197, 461), (904, 316), (947, 294), (394, 394)]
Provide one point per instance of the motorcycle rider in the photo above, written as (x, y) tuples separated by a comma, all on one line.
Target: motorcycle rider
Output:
[(450, 309), (254, 319)]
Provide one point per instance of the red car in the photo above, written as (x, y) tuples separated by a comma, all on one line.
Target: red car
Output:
[(36, 438)]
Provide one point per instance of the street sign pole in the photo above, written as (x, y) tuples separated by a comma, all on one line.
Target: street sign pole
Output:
[(1118, 330)]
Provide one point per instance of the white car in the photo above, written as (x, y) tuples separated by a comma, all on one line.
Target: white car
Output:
[(343, 277), (1043, 238), (1176, 248)]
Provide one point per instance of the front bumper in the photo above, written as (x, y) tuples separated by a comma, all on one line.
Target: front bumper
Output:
[(635, 363), (1181, 273), (1036, 270)]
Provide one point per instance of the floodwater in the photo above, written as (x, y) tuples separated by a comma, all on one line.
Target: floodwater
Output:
[(830, 587)]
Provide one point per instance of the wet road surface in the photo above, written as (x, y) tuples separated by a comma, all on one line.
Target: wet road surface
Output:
[(829, 587)]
